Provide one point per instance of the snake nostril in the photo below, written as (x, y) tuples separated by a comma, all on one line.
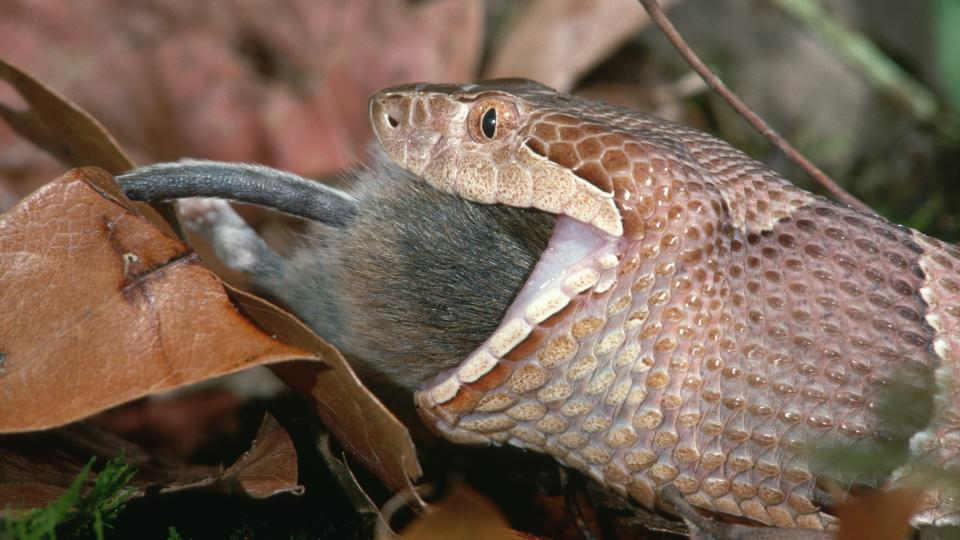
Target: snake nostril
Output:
[(387, 111), (394, 111)]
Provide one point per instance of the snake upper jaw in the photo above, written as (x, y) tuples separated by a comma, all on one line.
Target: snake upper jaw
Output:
[(434, 131)]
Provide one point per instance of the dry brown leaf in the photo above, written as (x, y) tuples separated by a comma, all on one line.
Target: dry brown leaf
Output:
[(70, 134), (268, 468), (28, 495), (878, 515), (35, 469), (357, 419), (359, 499), (556, 42), (33, 477), (355, 416), (101, 308), (466, 515), (60, 128)]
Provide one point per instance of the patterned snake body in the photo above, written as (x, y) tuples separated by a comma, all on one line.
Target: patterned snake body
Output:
[(696, 319)]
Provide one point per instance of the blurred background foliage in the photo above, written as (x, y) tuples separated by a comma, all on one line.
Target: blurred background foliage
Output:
[(868, 89)]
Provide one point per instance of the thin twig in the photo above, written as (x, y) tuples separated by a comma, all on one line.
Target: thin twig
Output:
[(657, 15), (570, 498)]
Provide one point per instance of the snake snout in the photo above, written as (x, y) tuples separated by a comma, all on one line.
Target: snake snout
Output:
[(389, 117), (388, 112)]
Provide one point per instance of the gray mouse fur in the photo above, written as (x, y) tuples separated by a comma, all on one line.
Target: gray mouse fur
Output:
[(408, 285)]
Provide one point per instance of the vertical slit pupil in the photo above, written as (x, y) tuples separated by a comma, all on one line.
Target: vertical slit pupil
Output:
[(488, 124)]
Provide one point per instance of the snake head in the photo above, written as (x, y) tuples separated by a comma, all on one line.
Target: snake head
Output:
[(490, 143)]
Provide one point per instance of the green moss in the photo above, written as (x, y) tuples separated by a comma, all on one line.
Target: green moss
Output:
[(76, 514)]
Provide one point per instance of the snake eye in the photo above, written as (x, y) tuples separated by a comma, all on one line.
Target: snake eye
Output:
[(491, 119), (488, 123)]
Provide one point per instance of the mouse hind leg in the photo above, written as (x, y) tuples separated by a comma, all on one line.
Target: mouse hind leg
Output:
[(300, 282), (234, 241)]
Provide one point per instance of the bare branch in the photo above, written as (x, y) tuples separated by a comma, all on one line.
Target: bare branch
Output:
[(661, 20)]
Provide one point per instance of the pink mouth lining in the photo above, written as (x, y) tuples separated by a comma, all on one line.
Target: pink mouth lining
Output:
[(579, 258)]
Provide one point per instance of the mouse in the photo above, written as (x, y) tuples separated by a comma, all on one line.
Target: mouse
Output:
[(404, 279)]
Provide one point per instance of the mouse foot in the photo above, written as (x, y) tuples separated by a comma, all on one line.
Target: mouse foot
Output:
[(235, 242)]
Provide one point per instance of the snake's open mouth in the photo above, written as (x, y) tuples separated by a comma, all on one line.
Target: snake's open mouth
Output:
[(580, 260)]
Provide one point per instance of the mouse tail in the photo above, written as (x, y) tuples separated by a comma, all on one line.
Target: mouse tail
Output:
[(241, 182)]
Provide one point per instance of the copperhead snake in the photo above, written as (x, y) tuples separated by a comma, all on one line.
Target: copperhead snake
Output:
[(696, 320)]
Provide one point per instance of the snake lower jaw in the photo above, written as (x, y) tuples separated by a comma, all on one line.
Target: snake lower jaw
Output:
[(579, 260)]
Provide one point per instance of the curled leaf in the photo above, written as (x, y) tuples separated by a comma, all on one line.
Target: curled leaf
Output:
[(59, 127), (268, 468), (101, 308), (357, 419)]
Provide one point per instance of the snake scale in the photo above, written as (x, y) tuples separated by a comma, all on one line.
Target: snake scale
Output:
[(696, 320)]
